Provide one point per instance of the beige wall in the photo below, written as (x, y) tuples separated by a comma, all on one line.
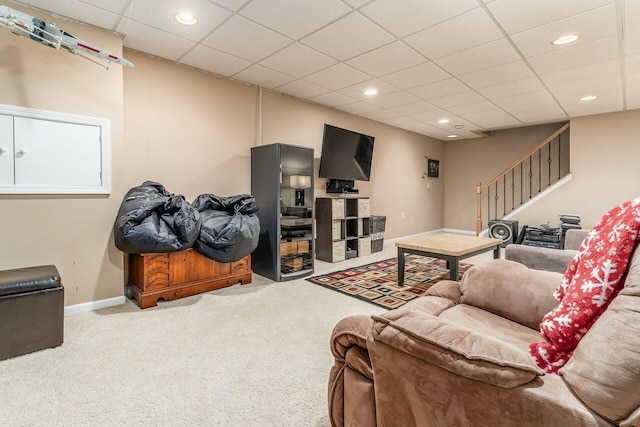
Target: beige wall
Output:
[(604, 157), (71, 232)]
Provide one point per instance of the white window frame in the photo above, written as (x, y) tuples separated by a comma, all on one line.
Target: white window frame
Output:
[(103, 124)]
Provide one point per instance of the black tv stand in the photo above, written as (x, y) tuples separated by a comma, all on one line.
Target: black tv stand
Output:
[(341, 186)]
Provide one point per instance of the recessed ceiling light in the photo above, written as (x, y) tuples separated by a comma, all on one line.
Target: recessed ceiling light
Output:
[(186, 18), (588, 98), (370, 92), (443, 121), (459, 126), (453, 135), (566, 39)]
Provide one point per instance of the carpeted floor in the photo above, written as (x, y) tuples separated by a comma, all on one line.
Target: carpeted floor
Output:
[(377, 282)]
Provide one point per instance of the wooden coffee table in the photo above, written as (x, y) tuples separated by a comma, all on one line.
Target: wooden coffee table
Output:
[(449, 247)]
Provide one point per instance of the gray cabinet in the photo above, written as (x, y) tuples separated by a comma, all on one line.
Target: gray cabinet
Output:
[(343, 226), (282, 184)]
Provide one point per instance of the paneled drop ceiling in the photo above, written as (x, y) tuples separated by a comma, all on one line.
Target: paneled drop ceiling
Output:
[(481, 64)]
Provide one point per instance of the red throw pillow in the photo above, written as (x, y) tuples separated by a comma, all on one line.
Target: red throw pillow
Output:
[(590, 283)]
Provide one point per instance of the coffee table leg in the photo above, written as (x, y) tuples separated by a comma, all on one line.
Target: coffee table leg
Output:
[(496, 252), (400, 266), (453, 269)]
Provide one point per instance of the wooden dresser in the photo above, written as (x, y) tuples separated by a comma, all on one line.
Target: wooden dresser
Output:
[(174, 275)]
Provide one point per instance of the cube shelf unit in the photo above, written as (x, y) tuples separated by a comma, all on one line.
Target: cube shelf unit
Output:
[(342, 228)]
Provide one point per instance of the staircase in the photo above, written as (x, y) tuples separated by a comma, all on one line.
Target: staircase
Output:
[(528, 177)]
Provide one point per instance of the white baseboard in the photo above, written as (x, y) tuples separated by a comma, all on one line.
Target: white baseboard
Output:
[(411, 236), (93, 305), (456, 231)]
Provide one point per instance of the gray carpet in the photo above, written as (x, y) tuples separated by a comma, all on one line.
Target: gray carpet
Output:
[(251, 355)]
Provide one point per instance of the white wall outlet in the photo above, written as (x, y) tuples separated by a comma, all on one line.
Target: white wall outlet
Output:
[(402, 215)]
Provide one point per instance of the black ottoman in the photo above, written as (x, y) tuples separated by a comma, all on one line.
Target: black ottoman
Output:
[(31, 310)]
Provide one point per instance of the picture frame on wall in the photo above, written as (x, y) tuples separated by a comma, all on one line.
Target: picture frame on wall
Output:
[(433, 168)]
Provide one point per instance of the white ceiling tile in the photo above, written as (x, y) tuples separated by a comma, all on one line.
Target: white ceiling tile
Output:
[(400, 121), (446, 38), (538, 112), (153, 41), (357, 3), (302, 89), (432, 116), (602, 80), (456, 124), (380, 114), (262, 76), (576, 56), (337, 77), (414, 108), (515, 87), (359, 107), (394, 100), (104, 16), (425, 129), (441, 88), (332, 99), (114, 6), (478, 58), (245, 39), (632, 15), (517, 15), (295, 18), (160, 15), (212, 60), (632, 67), (492, 119), (592, 25), (357, 91), (348, 37), (416, 76), (476, 107), (230, 4), (386, 59), (298, 60), (632, 42), (523, 99), (495, 75), (406, 17), (468, 97)]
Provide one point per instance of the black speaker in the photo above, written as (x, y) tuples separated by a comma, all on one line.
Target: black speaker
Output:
[(503, 229)]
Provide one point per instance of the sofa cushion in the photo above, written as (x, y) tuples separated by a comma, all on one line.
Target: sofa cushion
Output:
[(455, 348), (604, 371), (511, 290)]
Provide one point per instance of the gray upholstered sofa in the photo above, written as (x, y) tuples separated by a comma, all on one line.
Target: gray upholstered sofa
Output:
[(548, 259), (459, 357)]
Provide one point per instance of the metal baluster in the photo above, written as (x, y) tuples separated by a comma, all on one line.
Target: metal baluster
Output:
[(521, 182), (504, 195), (513, 189), (539, 170), (488, 205), (496, 200), (530, 176), (559, 158), (549, 162)]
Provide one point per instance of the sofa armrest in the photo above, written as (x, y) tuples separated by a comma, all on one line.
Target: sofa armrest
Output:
[(349, 334), (456, 348), (511, 290), (538, 258)]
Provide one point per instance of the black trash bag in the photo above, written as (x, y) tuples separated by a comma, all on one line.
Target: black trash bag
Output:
[(151, 219), (229, 227)]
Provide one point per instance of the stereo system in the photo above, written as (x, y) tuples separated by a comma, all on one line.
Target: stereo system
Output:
[(503, 229), (545, 237)]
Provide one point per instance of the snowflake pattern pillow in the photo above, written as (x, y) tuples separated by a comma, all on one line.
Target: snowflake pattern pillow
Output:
[(590, 283)]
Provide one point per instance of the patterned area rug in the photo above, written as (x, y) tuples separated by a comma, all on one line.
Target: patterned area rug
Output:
[(377, 283)]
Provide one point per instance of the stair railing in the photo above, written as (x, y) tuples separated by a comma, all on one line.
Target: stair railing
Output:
[(510, 189)]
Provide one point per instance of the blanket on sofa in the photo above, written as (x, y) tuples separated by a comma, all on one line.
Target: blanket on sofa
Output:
[(590, 283)]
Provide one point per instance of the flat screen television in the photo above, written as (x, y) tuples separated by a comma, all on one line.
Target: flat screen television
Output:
[(346, 156)]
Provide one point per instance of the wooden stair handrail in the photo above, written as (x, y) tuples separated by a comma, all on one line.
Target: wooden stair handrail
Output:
[(523, 158)]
